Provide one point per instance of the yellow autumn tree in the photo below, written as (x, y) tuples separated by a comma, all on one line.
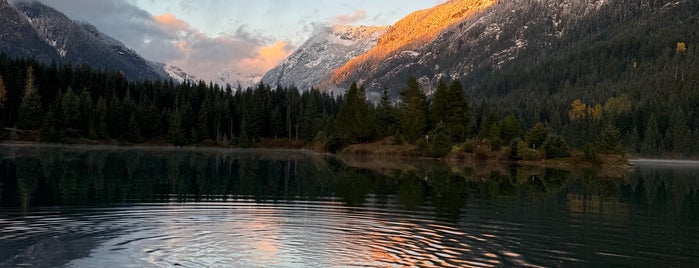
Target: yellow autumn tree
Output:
[(617, 105), (594, 112), (577, 110), (681, 47)]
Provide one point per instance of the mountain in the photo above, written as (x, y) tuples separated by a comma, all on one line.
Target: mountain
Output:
[(325, 51), (32, 29), (404, 39), (18, 37), (475, 40), (461, 37)]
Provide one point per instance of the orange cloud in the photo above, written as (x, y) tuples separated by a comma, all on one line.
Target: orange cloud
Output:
[(358, 15), (267, 58), (171, 21)]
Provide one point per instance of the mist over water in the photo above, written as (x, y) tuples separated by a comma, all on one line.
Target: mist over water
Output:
[(136, 207)]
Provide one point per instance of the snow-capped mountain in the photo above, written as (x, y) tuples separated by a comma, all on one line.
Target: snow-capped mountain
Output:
[(312, 63), (18, 38), (230, 76), (489, 35), (175, 72), (39, 31), (464, 39)]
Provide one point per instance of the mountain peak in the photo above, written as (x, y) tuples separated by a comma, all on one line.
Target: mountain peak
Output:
[(33, 29), (415, 30), (325, 51)]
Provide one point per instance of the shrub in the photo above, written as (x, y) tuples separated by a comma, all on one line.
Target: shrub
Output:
[(481, 153), (468, 147), (514, 144), (333, 144), (526, 153), (556, 147), (440, 145)]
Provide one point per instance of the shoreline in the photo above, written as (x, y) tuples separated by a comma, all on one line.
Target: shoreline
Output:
[(563, 163)]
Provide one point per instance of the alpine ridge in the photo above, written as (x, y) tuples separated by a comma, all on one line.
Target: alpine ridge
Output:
[(472, 40), (32, 29), (328, 49)]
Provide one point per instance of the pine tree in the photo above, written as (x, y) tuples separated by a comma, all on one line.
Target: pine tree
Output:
[(386, 114), (30, 111), (134, 133), (679, 129), (458, 116), (176, 134), (439, 110), (413, 111), (555, 146), (609, 141), (70, 110), (537, 135), (353, 121), (101, 119), (510, 128), (652, 137)]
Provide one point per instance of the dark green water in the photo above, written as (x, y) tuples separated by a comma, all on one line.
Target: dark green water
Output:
[(116, 207)]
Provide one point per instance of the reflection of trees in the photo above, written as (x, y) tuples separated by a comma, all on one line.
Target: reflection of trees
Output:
[(57, 176)]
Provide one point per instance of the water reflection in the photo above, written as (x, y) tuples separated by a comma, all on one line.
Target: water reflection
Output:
[(251, 208)]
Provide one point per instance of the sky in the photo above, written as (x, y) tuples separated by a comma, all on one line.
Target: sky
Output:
[(208, 37)]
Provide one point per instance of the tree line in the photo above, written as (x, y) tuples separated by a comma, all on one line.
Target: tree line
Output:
[(65, 102), (77, 102)]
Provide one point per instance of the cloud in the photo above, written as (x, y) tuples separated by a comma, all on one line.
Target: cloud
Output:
[(172, 40), (267, 57), (358, 15), (169, 20)]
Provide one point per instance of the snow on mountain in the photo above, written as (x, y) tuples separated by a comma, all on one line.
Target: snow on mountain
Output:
[(177, 74), (488, 35), (312, 63), (32, 29), (233, 78)]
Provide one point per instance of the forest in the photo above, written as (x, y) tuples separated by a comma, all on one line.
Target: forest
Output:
[(77, 104)]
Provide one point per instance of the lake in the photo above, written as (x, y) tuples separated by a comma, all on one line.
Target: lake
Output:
[(82, 206)]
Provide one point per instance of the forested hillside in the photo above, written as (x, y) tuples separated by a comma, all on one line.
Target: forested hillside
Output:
[(52, 104), (640, 75)]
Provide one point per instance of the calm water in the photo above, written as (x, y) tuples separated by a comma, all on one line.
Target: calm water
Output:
[(111, 207)]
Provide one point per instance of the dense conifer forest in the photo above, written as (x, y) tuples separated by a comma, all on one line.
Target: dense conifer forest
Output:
[(80, 104)]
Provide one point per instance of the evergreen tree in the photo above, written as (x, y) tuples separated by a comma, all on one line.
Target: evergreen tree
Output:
[(176, 134), (510, 128), (609, 141), (555, 146), (413, 111), (70, 110), (134, 133), (537, 135), (101, 119), (386, 115), (458, 116), (439, 110), (679, 130), (30, 111), (652, 137), (353, 121)]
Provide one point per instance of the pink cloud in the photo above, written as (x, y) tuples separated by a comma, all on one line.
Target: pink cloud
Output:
[(267, 57), (169, 20), (358, 15)]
